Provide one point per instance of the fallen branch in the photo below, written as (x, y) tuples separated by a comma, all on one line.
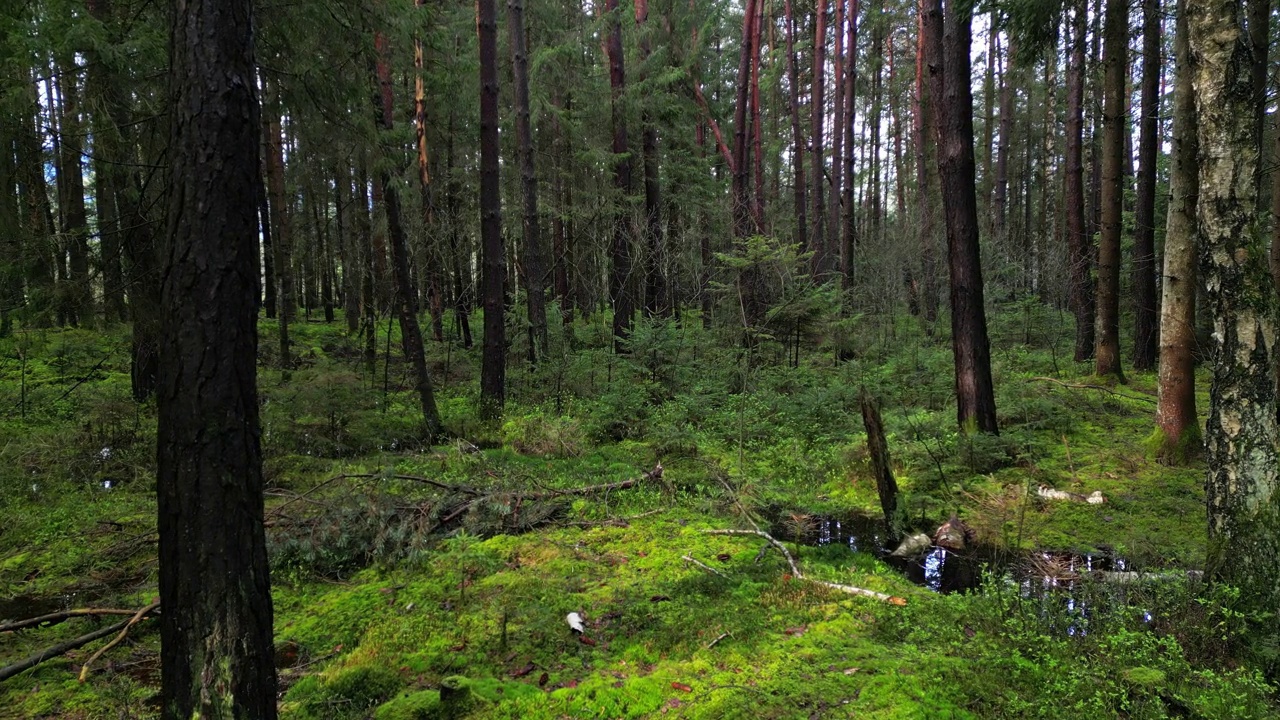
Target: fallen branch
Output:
[(1103, 388), (654, 474), (137, 617), (704, 566), (59, 649), (722, 636), (622, 522), (795, 568), (57, 617)]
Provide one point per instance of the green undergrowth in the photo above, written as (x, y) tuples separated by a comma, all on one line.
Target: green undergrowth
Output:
[(386, 585)]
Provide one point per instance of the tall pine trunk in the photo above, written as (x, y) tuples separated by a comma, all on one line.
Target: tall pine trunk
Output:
[(797, 136), (533, 256), (493, 367), (1176, 410), (1079, 239), (620, 252), (1115, 68), (406, 309), (822, 254), (1145, 325), (947, 46), (655, 284), (216, 645)]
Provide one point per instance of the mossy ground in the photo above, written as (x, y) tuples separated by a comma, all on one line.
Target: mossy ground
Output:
[(373, 614)]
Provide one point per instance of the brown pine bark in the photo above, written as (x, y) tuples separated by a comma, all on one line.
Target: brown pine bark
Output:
[(282, 226), (1146, 328), (1115, 67), (406, 309), (493, 367), (1260, 44), (822, 255), (216, 629), (797, 146), (1176, 410), (435, 280), (1241, 434), (740, 165), (1079, 239), (533, 256), (655, 285), (1000, 199), (925, 129), (849, 226), (78, 296), (947, 46), (620, 293), (840, 65)]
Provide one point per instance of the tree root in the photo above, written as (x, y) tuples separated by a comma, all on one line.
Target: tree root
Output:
[(795, 569)]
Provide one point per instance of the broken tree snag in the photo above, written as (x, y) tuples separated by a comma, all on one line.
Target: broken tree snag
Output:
[(795, 568), (878, 447)]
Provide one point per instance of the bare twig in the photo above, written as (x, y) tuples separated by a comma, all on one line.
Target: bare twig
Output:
[(795, 568), (722, 636), (704, 566), (57, 617), (137, 617)]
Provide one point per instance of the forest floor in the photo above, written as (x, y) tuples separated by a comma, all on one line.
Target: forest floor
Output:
[(396, 566)]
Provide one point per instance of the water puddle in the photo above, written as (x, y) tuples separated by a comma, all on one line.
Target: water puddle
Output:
[(943, 570)]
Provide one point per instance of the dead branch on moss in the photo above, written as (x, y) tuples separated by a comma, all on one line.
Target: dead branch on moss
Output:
[(57, 617), (517, 498), (795, 568), (1103, 388), (53, 651), (58, 650), (622, 522), (704, 566), (137, 617)]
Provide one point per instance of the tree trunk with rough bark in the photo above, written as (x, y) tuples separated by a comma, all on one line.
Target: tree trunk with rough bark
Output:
[(797, 147), (216, 642), (655, 284), (1176, 410), (533, 256), (620, 281), (493, 366), (925, 129), (1146, 328), (1079, 240), (1241, 435), (822, 254), (947, 45), (406, 308), (1115, 54)]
